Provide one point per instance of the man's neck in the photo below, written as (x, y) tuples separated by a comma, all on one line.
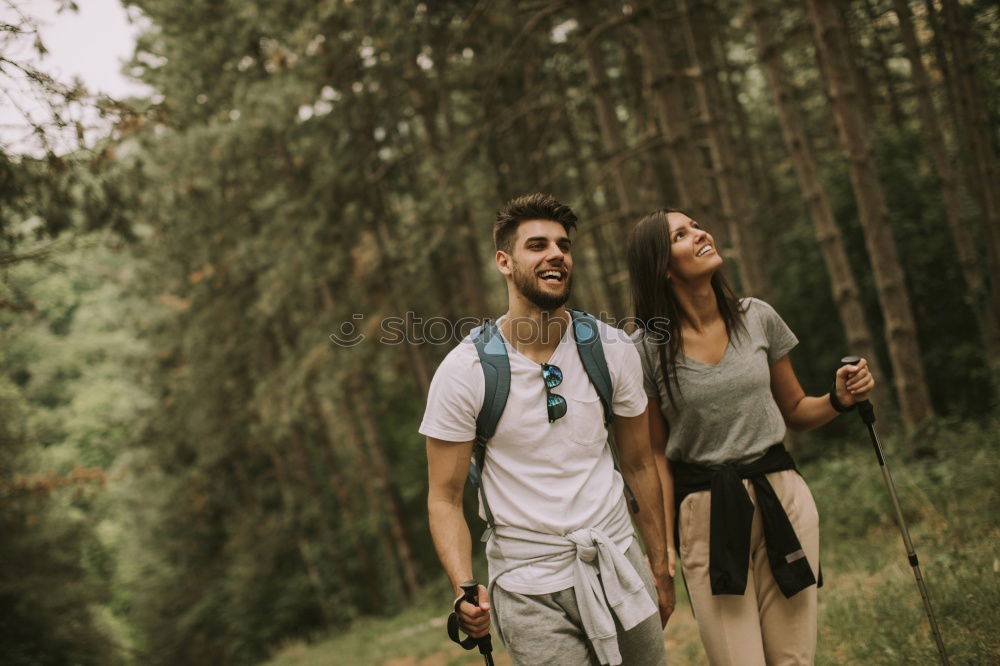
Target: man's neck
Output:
[(532, 331)]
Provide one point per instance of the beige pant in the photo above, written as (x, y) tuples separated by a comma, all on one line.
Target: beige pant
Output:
[(762, 626)]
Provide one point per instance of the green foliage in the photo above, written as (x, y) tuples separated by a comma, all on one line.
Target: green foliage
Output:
[(68, 408)]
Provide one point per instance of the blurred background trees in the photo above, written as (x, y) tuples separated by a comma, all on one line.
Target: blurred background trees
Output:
[(204, 473)]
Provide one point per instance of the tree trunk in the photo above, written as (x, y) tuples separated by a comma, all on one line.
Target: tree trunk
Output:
[(530, 147), (610, 275), (308, 561), (324, 413), (751, 164), (654, 176), (475, 284), (602, 253), (612, 137), (941, 57), (959, 138), (454, 211), (846, 294), (978, 298), (895, 108), (974, 121), (358, 400), (276, 410), (416, 351), (458, 216), (734, 199), (358, 462), (663, 81), (853, 132), (862, 82)]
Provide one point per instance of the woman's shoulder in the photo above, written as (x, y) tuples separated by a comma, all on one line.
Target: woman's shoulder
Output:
[(759, 316), (752, 306), (748, 302)]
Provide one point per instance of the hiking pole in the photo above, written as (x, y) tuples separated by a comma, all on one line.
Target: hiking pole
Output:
[(867, 414), (470, 593), (485, 644)]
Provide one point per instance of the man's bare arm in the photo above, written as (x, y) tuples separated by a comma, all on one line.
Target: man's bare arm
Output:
[(447, 466), (639, 470), (659, 432)]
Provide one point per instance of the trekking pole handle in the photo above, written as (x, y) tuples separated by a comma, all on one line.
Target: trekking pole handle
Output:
[(865, 409), (470, 590)]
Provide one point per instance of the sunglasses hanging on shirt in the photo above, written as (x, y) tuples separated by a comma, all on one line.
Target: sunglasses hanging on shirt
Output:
[(555, 403)]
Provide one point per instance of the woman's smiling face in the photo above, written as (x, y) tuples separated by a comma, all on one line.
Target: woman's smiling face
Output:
[(693, 254)]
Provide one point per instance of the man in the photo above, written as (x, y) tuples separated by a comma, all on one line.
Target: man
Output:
[(549, 475)]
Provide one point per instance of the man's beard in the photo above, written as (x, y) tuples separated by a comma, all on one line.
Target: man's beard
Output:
[(526, 283)]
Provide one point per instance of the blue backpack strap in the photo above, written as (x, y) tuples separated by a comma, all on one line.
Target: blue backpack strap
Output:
[(588, 344), (591, 350), (496, 375)]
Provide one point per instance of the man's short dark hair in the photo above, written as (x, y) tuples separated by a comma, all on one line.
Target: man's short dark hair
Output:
[(535, 206)]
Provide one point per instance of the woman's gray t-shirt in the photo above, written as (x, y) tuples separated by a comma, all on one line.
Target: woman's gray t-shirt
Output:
[(725, 412)]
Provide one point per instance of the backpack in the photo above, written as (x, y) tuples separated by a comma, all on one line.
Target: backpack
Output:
[(496, 373)]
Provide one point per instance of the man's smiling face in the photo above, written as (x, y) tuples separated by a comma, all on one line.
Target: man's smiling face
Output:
[(541, 263)]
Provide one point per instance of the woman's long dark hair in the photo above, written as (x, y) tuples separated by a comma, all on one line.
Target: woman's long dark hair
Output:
[(653, 302)]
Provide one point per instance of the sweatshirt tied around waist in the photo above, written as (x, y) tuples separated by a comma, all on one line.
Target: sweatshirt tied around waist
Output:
[(604, 580)]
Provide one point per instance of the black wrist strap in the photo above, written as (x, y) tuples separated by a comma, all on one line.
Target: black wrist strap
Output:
[(835, 403), (453, 627)]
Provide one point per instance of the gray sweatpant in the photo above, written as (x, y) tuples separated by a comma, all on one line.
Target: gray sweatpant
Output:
[(547, 629)]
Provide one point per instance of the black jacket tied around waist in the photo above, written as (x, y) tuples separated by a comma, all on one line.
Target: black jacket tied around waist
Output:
[(732, 519)]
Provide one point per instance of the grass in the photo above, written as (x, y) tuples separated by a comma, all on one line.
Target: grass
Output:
[(870, 609)]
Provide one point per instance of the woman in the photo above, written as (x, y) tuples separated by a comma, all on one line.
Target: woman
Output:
[(722, 392)]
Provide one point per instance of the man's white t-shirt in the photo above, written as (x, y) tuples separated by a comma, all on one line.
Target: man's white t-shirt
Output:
[(546, 477)]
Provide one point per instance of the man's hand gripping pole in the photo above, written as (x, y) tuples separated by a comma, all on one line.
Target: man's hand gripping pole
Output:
[(470, 589)]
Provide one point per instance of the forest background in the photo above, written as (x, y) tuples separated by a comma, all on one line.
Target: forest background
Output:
[(208, 447)]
